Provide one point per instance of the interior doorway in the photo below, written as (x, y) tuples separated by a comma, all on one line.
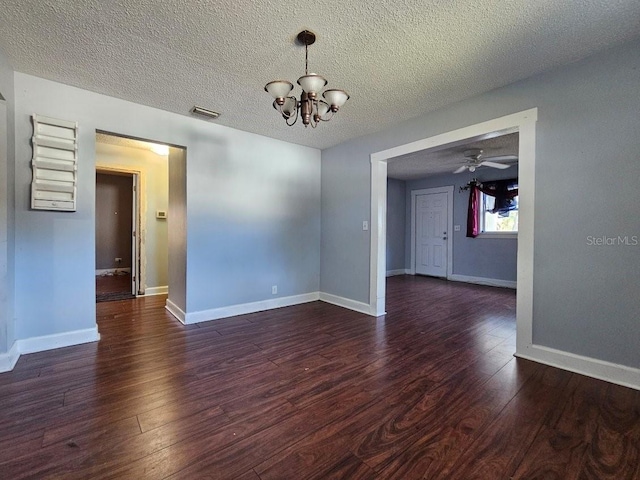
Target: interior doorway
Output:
[(146, 166), (117, 220), (522, 122)]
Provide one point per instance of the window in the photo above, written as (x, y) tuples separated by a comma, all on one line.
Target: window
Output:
[(505, 222)]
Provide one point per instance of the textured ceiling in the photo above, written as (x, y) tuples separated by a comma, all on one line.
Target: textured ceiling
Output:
[(446, 159), (397, 59)]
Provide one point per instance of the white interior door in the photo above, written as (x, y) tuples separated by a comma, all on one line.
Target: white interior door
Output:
[(431, 234)]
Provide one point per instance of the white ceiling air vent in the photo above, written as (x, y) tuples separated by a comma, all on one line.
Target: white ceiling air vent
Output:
[(205, 112)]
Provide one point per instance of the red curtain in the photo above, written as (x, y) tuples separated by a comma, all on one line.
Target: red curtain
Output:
[(473, 215)]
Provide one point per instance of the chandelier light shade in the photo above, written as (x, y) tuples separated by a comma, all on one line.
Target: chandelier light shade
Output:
[(312, 84), (279, 88), (310, 107)]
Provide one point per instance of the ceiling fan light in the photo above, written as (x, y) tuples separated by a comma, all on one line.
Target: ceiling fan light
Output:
[(336, 98), (312, 83), (279, 88)]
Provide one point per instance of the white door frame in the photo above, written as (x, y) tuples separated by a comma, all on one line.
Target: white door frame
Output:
[(138, 256), (414, 197), (525, 123)]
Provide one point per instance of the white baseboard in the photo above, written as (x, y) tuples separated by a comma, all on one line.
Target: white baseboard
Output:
[(46, 342), (347, 303), (400, 271), (244, 308), (156, 290), (175, 310), (591, 367), (58, 340), (491, 282), (111, 271), (9, 359)]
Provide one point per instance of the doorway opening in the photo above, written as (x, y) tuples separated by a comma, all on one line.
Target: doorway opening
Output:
[(522, 122), (117, 220), (132, 202)]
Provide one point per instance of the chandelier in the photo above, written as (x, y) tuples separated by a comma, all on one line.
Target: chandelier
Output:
[(312, 109)]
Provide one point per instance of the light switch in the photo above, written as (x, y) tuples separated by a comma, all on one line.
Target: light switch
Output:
[(456, 228), (365, 225)]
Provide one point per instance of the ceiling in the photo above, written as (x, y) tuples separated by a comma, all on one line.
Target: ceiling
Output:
[(397, 59), (444, 160)]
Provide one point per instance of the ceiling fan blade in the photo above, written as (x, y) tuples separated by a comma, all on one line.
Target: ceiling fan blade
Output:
[(502, 158), (461, 169), (501, 166)]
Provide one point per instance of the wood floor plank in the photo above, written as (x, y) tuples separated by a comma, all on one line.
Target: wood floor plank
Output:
[(439, 445), (12, 447), (314, 391), (504, 442)]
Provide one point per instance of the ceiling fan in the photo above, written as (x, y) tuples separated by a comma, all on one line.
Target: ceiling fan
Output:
[(474, 161)]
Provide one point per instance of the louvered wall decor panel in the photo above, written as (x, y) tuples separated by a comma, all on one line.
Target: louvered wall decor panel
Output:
[(54, 164)]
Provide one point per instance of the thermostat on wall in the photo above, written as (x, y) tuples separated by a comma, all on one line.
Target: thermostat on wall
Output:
[(161, 214)]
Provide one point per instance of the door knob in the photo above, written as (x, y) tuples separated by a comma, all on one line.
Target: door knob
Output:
[(444, 238)]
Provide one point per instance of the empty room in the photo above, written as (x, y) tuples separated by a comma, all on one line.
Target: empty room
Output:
[(384, 241)]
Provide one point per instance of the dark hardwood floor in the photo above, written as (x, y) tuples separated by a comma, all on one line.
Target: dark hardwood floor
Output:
[(120, 283), (314, 392)]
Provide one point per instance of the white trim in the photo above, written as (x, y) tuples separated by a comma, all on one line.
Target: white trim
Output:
[(399, 271), (414, 197), (58, 340), (110, 271), (525, 123), (491, 282), (9, 359), (244, 308), (591, 367), (509, 235), (347, 303), (46, 342), (163, 290), (378, 238), (175, 310)]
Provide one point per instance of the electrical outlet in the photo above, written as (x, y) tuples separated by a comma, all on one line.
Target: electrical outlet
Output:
[(118, 259), (274, 290), (456, 228)]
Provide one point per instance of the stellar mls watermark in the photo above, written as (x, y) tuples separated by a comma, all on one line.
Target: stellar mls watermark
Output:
[(617, 241)]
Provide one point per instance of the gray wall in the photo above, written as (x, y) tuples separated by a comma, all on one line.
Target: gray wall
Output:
[(396, 224), (7, 216), (586, 297), (253, 211), (113, 220), (492, 258)]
